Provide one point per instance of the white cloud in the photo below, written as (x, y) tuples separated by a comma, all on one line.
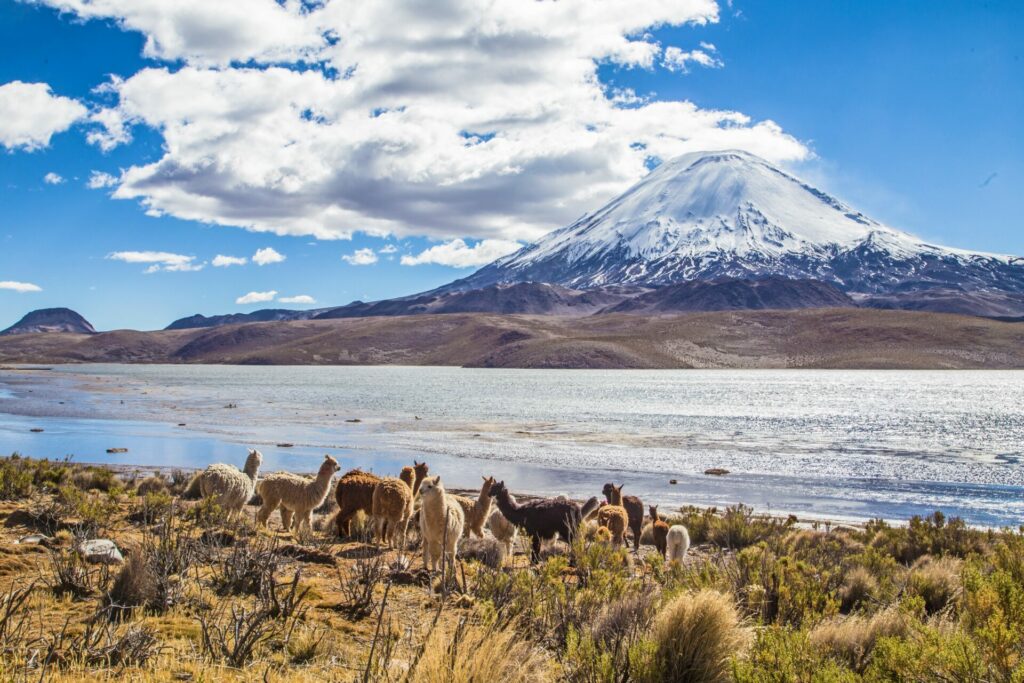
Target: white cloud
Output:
[(256, 297), (466, 118), (675, 59), (360, 257), (458, 254), (221, 261), (158, 260), (99, 179), (21, 287), (30, 114), (299, 299), (387, 249), (52, 178), (266, 256)]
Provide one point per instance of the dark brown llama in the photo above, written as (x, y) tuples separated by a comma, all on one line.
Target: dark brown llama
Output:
[(542, 519)]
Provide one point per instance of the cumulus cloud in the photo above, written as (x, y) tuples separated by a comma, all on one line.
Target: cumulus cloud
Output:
[(52, 178), (360, 257), (221, 261), (20, 287), (256, 297), (449, 119), (458, 254), (30, 114), (99, 179), (267, 256), (158, 260), (299, 299), (676, 59)]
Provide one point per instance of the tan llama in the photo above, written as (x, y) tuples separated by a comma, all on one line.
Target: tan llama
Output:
[(614, 516), (296, 496), (230, 488), (392, 504), (441, 524), (659, 530), (503, 531), (476, 511)]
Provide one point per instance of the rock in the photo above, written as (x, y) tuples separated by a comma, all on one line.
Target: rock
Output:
[(716, 471), (355, 419), (117, 450), (100, 551), (672, 481), (36, 430), (285, 445)]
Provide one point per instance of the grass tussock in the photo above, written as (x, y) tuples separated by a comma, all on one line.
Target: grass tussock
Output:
[(470, 653)]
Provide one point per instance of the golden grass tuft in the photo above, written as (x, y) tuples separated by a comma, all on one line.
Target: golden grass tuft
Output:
[(859, 587), (695, 637), (937, 581), (853, 638), (471, 653)]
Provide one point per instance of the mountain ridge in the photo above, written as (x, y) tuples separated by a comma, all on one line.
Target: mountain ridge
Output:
[(50, 320)]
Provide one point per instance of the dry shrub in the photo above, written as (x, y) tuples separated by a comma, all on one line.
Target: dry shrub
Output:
[(152, 484), (859, 586), (937, 581), (624, 619), (135, 585), (695, 637), (480, 652), (487, 551), (853, 638), (97, 479)]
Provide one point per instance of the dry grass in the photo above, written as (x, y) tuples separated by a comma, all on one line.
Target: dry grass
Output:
[(859, 587), (937, 581), (695, 638), (474, 653), (853, 638)]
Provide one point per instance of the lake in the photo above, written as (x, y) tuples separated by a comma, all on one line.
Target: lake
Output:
[(844, 445)]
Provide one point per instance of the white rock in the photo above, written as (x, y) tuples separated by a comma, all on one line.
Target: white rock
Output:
[(100, 551)]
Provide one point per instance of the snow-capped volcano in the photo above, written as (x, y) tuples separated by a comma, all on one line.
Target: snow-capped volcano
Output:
[(708, 215)]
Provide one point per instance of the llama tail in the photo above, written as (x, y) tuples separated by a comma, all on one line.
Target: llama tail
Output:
[(192, 491), (589, 508)]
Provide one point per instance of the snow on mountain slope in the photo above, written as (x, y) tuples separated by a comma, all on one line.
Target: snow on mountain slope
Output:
[(732, 214)]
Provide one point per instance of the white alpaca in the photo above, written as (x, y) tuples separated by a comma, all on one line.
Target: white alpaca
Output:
[(441, 523), (295, 495), (503, 530), (231, 488), (677, 542)]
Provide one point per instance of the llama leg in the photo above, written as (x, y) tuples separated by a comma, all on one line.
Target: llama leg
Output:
[(286, 518), (307, 520), (535, 550), (264, 512), (636, 528), (344, 521), (380, 527)]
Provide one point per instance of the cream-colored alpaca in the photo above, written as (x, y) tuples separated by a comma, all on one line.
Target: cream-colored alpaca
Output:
[(392, 504), (441, 523), (230, 488), (477, 511), (503, 530), (295, 495)]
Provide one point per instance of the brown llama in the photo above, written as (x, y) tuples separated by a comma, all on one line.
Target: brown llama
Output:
[(392, 504), (354, 492), (614, 517), (634, 508), (543, 518), (659, 529)]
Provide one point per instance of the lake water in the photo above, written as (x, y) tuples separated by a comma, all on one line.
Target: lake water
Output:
[(817, 443)]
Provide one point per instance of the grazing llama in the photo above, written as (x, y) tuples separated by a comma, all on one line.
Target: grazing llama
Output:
[(441, 523), (503, 530), (634, 508), (544, 518), (614, 516), (230, 488), (295, 495), (602, 535), (392, 504), (678, 542), (354, 492), (477, 511), (659, 529)]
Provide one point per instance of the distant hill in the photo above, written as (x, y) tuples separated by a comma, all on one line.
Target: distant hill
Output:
[(261, 316), (51, 320), (530, 298), (729, 294)]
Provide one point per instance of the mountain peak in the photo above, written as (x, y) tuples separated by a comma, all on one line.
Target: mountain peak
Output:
[(51, 320), (707, 215)]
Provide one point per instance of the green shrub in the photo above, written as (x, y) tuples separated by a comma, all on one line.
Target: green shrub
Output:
[(780, 654)]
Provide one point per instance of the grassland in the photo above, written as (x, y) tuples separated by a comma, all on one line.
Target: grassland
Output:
[(757, 599)]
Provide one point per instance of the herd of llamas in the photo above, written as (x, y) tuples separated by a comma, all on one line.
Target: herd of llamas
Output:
[(444, 518)]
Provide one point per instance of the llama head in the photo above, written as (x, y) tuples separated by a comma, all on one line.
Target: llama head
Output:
[(432, 486), (498, 489), (654, 513), (607, 491), (253, 461), (421, 470), (329, 466), (487, 488)]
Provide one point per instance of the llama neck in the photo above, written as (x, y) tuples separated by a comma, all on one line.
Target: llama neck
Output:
[(615, 497), (485, 494), (508, 506), (252, 468), (322, 483), (416, 483)]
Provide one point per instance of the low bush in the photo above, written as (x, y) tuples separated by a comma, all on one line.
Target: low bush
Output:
[(852, 638), (936, 580)]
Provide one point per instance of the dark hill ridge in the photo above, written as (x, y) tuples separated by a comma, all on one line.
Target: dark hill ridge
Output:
[(261, 316), (730, 294), (51, 320)]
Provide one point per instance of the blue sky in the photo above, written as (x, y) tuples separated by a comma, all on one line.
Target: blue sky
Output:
[(910, 111)]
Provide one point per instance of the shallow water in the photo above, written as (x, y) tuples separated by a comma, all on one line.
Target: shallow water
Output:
[(832, 444)]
